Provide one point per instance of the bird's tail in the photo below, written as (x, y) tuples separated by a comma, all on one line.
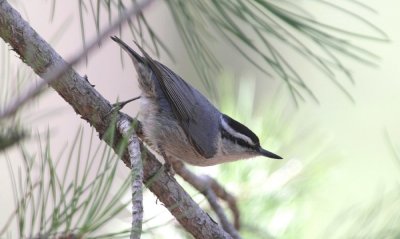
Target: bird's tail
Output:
[(129, 50)]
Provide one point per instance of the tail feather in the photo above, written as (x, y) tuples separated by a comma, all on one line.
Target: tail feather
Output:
[(129, 50)]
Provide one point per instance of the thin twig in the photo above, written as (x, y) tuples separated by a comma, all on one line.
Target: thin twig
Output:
[(227, 197), (57, 72), (213, 201), (133, 147)]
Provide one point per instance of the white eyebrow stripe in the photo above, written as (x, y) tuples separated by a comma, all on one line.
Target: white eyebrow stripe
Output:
[(235, 133)]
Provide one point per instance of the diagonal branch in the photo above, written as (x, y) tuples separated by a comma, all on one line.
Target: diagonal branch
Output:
[(95, 109)]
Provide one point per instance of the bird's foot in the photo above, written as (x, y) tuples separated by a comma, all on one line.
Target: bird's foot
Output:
[(120, 105), (169, 169)]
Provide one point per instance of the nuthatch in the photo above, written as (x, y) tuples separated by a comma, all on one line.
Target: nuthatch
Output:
[(180, 123)]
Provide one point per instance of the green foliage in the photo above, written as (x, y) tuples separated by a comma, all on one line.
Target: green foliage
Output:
[(62, 195), (257, 30), (260, 31), (139, 27), (380, 219)]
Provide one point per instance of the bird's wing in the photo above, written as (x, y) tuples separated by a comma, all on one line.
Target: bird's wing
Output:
[(188, 106)]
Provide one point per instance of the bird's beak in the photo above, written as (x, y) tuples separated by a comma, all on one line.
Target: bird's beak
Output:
[(268, 154)]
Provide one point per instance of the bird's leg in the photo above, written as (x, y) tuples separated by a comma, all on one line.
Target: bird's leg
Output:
[(120, 105)]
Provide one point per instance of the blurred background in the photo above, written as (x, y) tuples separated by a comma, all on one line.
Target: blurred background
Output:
[(340, 173)]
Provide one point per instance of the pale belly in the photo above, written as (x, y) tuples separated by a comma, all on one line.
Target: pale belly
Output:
[(163, 134)]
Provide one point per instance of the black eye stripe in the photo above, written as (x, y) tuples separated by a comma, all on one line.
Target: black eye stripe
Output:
[(240, 128), (241, 142)]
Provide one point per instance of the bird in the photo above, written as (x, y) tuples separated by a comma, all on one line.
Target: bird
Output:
[(180, 123)]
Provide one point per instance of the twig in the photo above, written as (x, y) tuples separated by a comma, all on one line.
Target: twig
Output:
[(133, 148), (211, 189), (227, 197), (213, 201), (57, 72)]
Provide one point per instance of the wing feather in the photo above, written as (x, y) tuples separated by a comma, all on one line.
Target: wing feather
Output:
[(186, 107)]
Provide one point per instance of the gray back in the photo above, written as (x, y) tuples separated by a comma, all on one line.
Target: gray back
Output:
[(197, 116)]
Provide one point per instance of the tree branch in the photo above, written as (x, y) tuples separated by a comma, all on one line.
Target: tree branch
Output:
[(95, 109)]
